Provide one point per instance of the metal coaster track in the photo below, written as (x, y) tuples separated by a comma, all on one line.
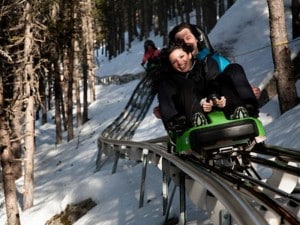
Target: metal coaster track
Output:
[(228, 196), (134, 112)]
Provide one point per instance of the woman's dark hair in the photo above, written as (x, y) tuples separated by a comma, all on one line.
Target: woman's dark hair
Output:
[(164, 71), (147, 43), (177, 45)]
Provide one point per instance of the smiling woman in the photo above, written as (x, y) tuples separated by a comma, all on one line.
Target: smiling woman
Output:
[(181, 58), (181, 91), (184, 94)]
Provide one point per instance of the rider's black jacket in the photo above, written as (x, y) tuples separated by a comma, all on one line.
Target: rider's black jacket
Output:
[(179, 94)]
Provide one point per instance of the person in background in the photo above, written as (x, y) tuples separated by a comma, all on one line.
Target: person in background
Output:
[(183, 93), (150, 57)]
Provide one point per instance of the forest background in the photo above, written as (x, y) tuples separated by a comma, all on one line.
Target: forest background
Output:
[(47, 61)]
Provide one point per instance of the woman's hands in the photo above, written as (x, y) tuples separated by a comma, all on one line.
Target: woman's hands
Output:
[(220, 103), (207, 104)]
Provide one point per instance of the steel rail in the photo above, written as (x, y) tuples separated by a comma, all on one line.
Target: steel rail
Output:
[(276, 151)]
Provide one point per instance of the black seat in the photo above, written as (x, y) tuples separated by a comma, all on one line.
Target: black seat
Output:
[(236, 130)]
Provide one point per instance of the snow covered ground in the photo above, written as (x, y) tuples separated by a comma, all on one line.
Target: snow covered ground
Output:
[(65, 173)]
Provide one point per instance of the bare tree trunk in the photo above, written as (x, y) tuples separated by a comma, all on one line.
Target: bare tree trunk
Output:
[(130, 11), (112, 32), (71, 73), (87, 57), (65, 86), (54, 73), (16, 120), (50, 92), (163, 20), (10, 192), (12, 211), (6, 157), (58, 102), (285, 80), (29, 147), (120, 12), (209, 14), (296, 18), (144, 26), (221, 8), (15, 123), (78, 101), (156, 16), (187, 10), (180, 10), (70, 98), (84, 63), (29, 141), (76, 54), (9, 69), (198, 12), (90, 52), (43, 100)]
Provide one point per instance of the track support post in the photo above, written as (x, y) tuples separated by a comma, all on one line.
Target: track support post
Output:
[(143, 178)]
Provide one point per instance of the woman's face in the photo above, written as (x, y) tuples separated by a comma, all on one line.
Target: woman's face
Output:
[(149, 48), (187, 36), (180, 60)]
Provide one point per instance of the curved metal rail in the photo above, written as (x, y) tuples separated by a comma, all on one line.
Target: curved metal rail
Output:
[(134, 112), (220, 193)]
